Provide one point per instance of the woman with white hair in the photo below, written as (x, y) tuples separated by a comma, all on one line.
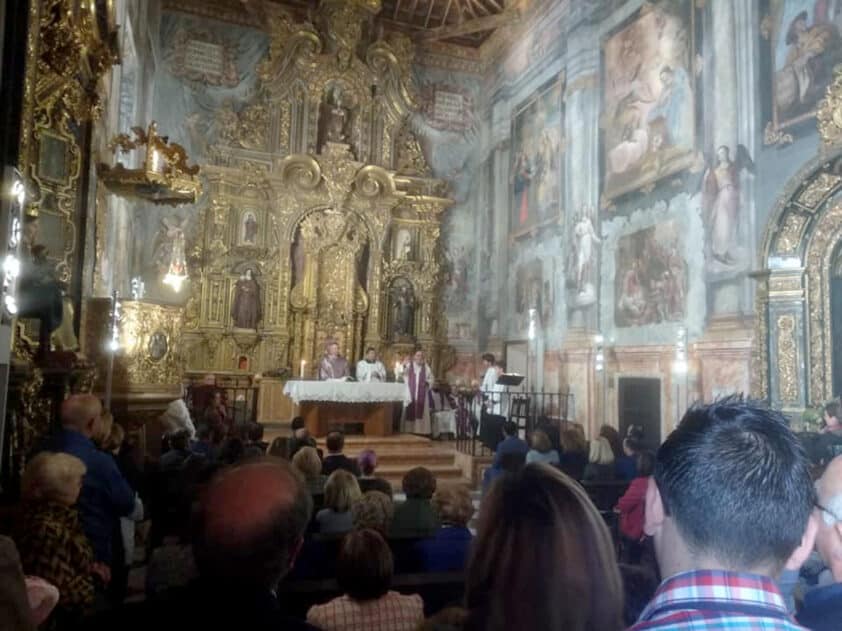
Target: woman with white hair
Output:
[(49, 536)]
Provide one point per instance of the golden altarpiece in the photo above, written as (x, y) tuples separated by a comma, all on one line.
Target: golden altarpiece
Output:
[(322, 220), (798, 363)]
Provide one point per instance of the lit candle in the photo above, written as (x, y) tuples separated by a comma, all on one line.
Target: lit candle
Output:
[(303, 364)]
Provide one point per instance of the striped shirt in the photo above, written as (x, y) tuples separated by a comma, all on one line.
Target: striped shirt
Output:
[(390, 612), (708, 600)]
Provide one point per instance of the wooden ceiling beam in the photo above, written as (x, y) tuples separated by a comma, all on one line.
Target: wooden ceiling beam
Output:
[(484, 23), (397, 8), (429, 13), (446, 13)]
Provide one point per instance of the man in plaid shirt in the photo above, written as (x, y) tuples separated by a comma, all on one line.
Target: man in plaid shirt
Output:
[(729, 507)]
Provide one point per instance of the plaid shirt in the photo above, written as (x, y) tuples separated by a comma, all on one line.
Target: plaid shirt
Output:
[(708, 600), (53, 546), (391, 612)]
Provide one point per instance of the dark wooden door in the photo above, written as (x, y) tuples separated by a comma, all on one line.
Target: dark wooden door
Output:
[(639, 403)]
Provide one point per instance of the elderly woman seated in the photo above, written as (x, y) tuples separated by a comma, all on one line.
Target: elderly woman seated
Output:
[(49, 536), (341, 491), (447, 550)]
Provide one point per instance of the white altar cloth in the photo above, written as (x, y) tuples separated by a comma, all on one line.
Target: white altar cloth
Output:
[(344, 391)]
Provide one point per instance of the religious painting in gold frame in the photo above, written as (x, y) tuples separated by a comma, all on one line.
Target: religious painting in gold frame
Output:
[(537, 151), (648, 122)]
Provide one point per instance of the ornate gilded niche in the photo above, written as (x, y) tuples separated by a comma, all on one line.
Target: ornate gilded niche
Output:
[(794, 342), (320, 206)]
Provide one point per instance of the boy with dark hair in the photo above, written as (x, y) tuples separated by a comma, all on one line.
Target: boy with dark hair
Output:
[(729, 507), (335, 459)]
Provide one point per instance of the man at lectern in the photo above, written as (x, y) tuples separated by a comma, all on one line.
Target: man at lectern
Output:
[(370, 369), (333, 365)]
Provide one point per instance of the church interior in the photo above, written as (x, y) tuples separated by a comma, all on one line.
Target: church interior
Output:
[(412, 222)]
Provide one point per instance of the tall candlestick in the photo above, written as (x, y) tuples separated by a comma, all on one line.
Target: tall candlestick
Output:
[(303, 364)]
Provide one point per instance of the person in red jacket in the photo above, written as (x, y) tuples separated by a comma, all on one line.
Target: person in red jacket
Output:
[(632, 508)]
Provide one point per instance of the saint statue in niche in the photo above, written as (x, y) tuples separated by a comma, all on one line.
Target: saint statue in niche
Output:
[(246, 310), (403, 245), (336, 118), (584, 241), (249, 228), (403, 310)]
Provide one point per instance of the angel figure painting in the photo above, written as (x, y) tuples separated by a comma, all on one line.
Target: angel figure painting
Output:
[(649, 118), (805, 42), (721, 203)]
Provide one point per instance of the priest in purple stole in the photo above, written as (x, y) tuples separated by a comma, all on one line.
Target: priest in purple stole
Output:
[(418, 398), (333, 365)]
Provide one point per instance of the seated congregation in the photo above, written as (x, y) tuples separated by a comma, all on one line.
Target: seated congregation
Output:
[(743, 528)]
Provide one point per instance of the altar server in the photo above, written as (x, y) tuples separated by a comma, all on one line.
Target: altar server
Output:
[(370, 369), (418, 400), (333, 365)]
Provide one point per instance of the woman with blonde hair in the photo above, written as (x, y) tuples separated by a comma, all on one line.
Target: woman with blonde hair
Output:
[(308, 463), (49, 536), (447, 549), (600, 460), (341, 491), (542, 449), (541, 554)]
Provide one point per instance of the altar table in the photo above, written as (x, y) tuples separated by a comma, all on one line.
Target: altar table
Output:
[(323, 403)]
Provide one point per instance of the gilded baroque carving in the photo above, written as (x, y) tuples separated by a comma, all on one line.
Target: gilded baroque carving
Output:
[(760, 356), (787, 359), (829, 113), (789, 238), (819, 189), (345, 171)]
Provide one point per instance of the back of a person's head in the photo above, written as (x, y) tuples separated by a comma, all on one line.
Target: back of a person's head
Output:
[(81, 412), (834, 408), (279, 448), (736, 482), (572, 442), (307, 461), (453, 504), (542, 546), (115, 437), (367, 461), (510, 428), (298, 423), (600, 451), (250, 524), (419, 483), (49, 477), (541, 442), (341, 491), (373, 510), (613, 437), (335, 442), (365, 565)]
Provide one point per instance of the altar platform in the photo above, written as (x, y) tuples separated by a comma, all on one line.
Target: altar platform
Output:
[(398, 453)]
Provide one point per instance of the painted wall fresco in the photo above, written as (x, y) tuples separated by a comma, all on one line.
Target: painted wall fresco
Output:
[(804, 45), (537, 146), (648, 98)]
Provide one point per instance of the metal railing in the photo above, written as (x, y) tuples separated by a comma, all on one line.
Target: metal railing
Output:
[(239, 396), (528, 410)]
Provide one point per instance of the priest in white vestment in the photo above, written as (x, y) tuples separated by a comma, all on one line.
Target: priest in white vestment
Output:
[(419, 380), (489, 378), (370, 369), (498, 401)]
